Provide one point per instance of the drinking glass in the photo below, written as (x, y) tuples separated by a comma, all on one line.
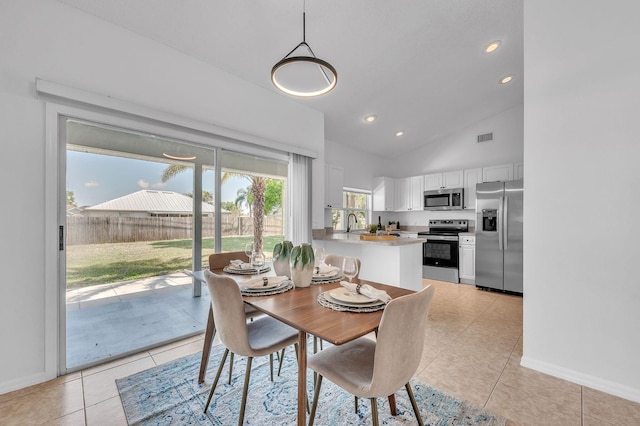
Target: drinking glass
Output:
[(318, 253), (350, 267), (248, 250), (257, 261)]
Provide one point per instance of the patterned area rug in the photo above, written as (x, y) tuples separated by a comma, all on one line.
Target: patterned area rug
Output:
[(170, 395)]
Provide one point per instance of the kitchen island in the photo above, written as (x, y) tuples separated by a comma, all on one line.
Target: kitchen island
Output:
[(396, 262)]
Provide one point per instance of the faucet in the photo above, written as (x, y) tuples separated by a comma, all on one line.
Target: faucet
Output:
[(349, 217)]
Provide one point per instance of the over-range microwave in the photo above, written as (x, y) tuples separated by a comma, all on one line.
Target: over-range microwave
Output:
[(444, 199)]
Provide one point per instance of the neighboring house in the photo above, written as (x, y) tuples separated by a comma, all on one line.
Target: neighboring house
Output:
[(149, 203)]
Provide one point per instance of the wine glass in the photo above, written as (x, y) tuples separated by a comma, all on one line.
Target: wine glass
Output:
[(248, 250), (257, 261), (350, 267), (318, 253)]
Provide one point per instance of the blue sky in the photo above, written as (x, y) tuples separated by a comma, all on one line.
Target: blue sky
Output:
[(96, 178)]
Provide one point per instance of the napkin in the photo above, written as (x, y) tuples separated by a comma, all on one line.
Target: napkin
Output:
[(323, 268), (367, 290), (260, 282), (239, 264)]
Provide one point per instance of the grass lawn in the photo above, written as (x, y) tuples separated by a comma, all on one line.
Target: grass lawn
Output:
[(94, 264)]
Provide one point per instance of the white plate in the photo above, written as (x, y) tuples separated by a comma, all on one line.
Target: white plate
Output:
[(344, 295), (370, 303), (268, 287), (232, 270), (326, 274)]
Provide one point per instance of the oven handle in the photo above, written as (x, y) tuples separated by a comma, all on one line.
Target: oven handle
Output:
[(441, 238), (500, 211)]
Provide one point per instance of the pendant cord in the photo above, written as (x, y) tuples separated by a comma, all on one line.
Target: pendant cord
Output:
[(304, 21)]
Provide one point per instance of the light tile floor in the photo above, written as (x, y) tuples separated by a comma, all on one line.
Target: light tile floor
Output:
[(473, 350)]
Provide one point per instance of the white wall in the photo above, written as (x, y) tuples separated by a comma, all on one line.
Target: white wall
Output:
[(581, 286), (57, 43)]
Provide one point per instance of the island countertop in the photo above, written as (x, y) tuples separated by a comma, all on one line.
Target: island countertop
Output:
[(354, 238)]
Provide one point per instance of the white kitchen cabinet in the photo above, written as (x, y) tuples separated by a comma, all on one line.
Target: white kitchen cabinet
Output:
[(409, 193), (334, 181), (503, 172), (444, 180), (519, 171), (471, 178), (467, 259), (383, 194)]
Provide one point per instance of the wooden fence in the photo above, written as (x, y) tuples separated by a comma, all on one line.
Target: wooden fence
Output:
[(114, 229)]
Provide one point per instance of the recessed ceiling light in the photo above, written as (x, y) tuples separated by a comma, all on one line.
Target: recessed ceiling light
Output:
[(493, 46), (400, 133), (175, 157), (506, 79), (370, 118)]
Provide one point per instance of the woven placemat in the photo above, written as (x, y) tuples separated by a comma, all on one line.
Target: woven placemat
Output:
[(271, 291), (323, 301)]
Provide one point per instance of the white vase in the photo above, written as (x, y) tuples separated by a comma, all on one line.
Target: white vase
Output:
[(302, 261), (301, 277), (281, 267)]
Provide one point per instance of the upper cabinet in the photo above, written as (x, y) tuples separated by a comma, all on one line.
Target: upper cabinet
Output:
[(444, 180), (334, 181), (409, 193), (383, 194), (472, 177), (502, 173)]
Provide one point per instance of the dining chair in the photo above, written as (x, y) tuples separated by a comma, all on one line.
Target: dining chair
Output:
[(337, 260), (372, 369), (219, 261), (263, 336)]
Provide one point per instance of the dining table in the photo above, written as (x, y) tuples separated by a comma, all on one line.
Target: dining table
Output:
[(300, 309)]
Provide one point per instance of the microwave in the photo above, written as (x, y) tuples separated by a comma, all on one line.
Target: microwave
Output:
[(444, 199)]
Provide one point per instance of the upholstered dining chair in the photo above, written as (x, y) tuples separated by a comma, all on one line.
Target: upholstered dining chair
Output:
[(219, 261), (371, 369), (263, 336)]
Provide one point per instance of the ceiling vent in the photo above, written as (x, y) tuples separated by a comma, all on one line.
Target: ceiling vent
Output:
[(487, 137)]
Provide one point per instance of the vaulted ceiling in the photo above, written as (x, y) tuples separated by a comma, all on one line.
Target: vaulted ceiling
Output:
[(418, 65)]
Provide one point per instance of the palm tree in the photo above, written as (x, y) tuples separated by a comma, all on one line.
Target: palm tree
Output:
[(257, 188)]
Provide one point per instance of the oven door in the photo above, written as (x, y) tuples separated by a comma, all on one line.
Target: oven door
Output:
[(440, 251)]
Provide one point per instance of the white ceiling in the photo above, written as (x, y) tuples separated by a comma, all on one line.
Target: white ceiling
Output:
[(418, 65)]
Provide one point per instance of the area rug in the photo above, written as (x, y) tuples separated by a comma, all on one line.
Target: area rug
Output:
[(170, 395)]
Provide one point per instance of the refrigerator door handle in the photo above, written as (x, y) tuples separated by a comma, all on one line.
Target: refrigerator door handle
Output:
[(506, 222), (500, 220)]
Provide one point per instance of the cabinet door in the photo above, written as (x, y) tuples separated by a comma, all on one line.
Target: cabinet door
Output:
[(453, 179), (471, 178), (416, 193), (402, 190), (432, 182), (519, 171), (467, 256), (383, 194), (500, 173), (334, 177)]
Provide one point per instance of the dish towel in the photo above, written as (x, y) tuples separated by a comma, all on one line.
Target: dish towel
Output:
[(367, 290), (263, 281), (239, 264), (323, 268)]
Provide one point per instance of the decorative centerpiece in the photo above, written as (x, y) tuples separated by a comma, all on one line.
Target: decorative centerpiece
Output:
[(281, 258), (302, 260)]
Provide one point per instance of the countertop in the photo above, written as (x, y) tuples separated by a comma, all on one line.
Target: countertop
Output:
[(354, 238)]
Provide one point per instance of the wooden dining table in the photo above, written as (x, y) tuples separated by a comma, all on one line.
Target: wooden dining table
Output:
[(299, 309)]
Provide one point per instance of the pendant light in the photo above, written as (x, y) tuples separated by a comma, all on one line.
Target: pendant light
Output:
[(305, 75)]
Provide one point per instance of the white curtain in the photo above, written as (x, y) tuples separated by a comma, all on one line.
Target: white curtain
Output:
[(299, 194)]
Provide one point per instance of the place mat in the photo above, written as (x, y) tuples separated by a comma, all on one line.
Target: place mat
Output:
[(286, 286), (230, 270), (323, 301)]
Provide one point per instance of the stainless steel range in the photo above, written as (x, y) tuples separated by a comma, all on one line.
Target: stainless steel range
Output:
[(440, 251)]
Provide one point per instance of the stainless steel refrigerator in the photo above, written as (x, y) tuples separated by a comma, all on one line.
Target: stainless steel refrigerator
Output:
[(499, 208)]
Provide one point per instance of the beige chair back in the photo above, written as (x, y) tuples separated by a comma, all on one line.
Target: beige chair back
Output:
[(228, 313), (220, 260), (400, 340), (336, 260)]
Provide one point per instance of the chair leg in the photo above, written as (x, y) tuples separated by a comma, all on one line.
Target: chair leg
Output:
[(245, 390), (271, 365), (356, 403), (231, 366), (374, 411), (414, 404), (316, 395), (280, 358), (215, 382)]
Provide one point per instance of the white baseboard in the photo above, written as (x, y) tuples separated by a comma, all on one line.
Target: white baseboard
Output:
[(23, 382), (613, 388)]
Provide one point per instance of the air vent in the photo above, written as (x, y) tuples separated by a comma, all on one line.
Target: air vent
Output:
[(485, 138)]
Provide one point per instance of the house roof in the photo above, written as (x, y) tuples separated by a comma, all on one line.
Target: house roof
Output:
[(165, 202)]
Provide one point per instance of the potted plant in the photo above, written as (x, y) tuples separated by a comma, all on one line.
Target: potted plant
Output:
[(302, 260)]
